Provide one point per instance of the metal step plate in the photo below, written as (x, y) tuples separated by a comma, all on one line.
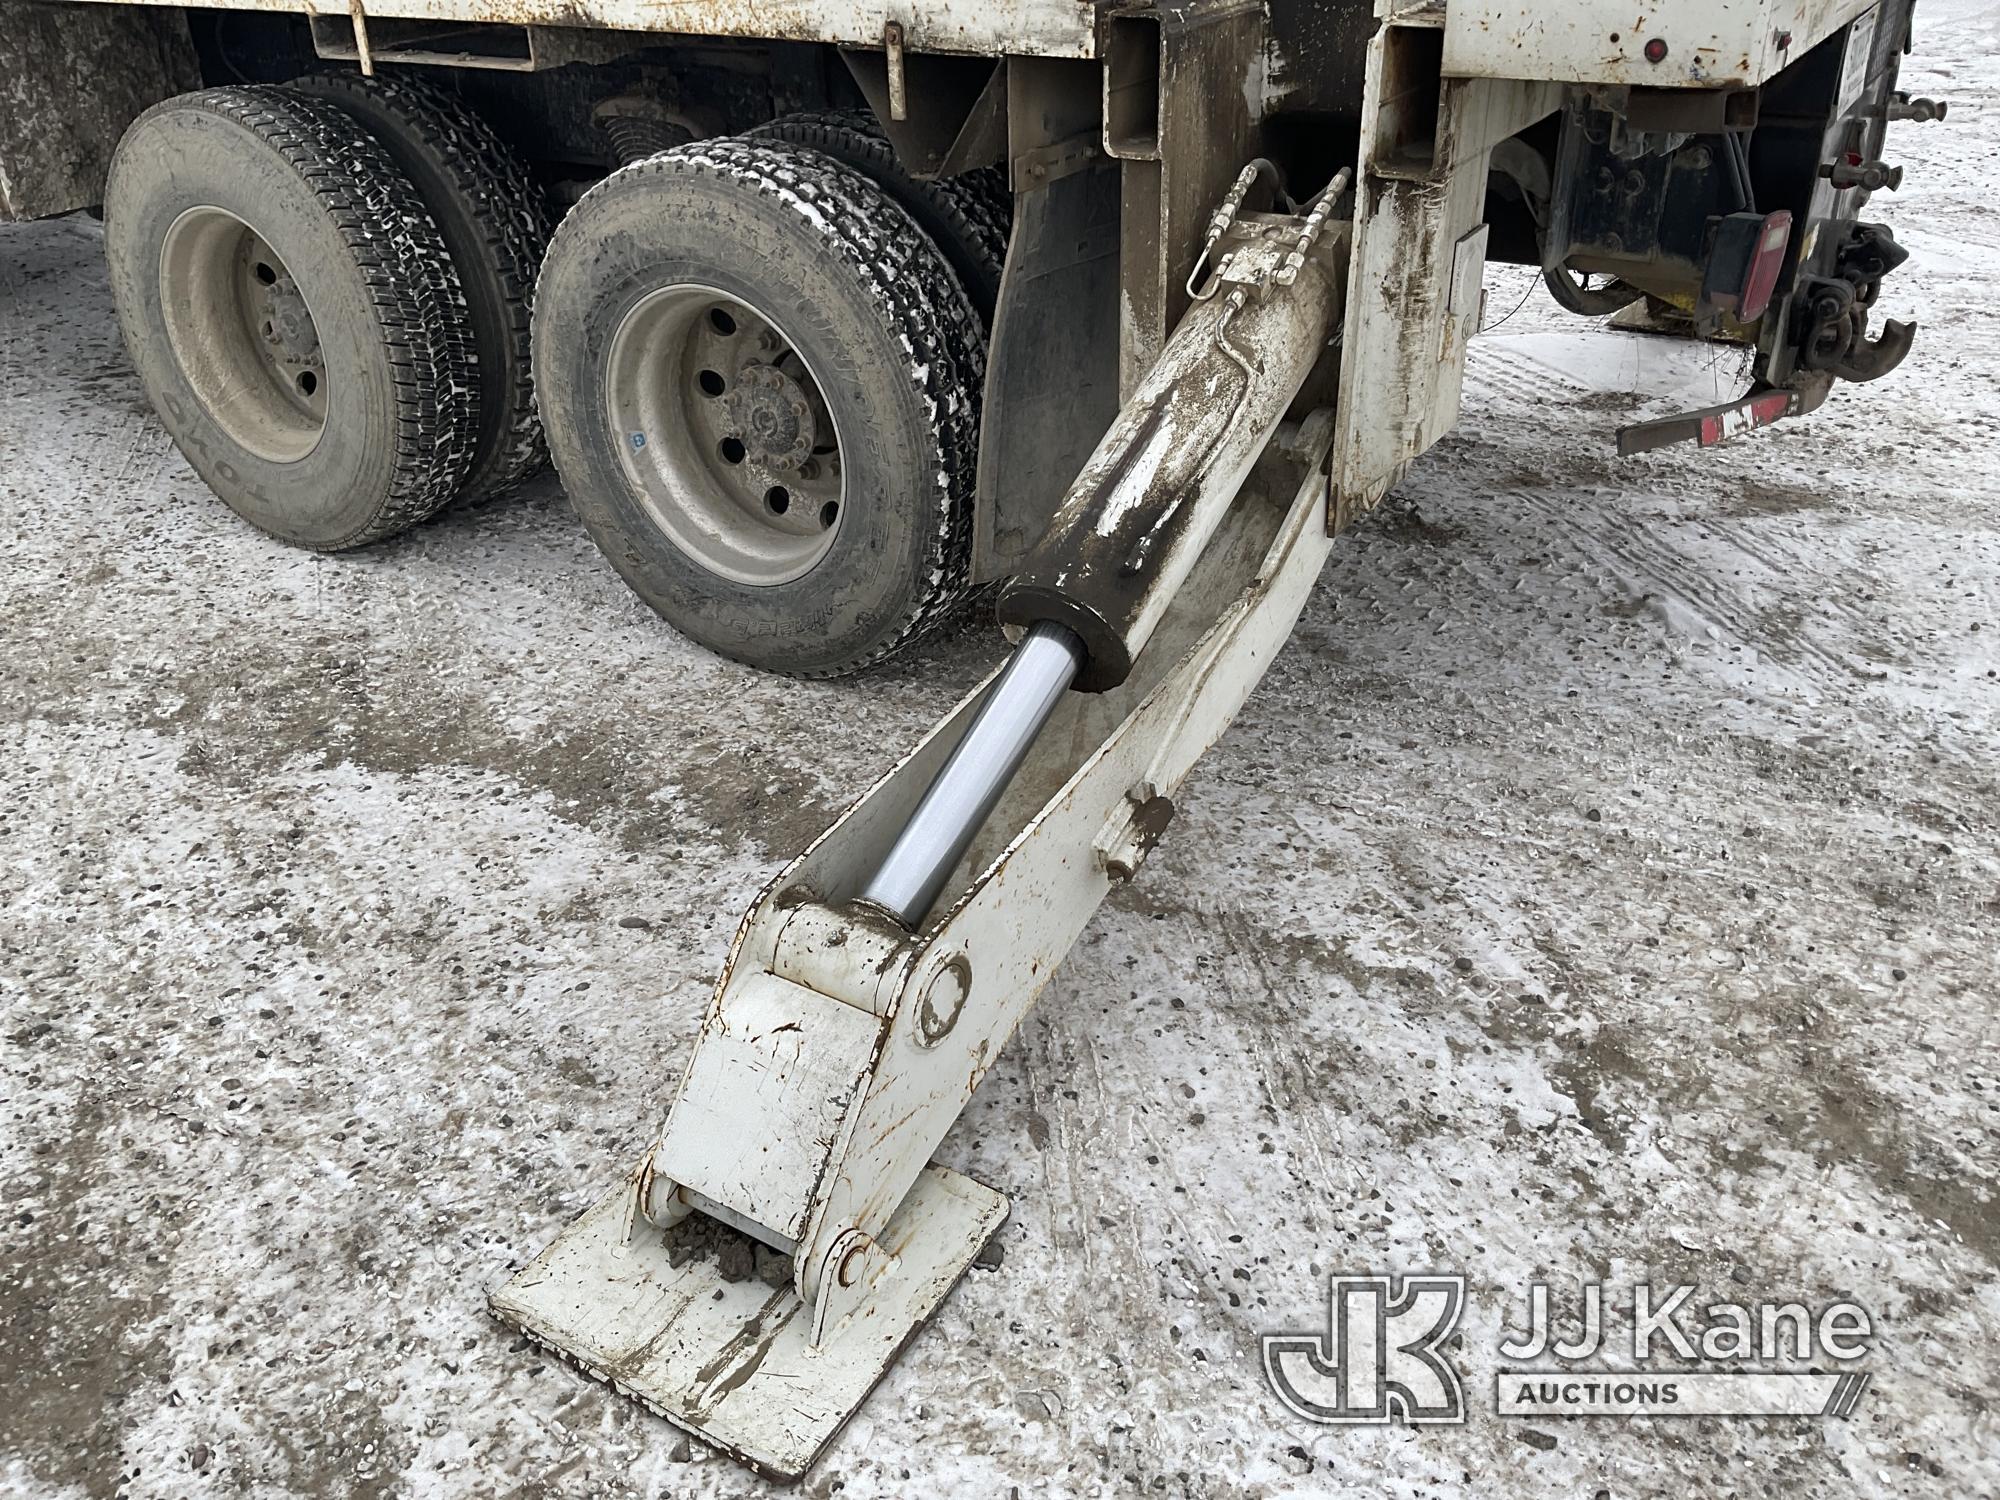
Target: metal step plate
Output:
[(731, 1361)]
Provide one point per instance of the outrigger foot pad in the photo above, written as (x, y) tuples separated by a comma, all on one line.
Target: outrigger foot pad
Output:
[(731, 1360)]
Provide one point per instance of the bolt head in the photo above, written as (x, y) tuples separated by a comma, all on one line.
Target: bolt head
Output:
[(851, 1264)]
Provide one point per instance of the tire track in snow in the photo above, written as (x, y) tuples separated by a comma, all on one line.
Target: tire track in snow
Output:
[(1651, 567)]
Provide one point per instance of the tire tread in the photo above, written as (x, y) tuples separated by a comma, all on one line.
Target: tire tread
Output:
[(511, 229), (970, 215)]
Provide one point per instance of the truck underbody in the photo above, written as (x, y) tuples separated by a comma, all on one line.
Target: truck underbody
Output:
[(1121, 313)]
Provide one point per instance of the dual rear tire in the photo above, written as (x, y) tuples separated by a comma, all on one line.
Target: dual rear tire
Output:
[(759, 371), (292, 312), (495, 229), (324, 289)]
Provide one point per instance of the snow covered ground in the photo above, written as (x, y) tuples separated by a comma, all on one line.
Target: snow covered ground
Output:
[(1604, 885)]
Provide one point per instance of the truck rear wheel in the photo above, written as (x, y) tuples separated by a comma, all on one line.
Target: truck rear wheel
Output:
[(292, 314), (968, 216), (495, 227), (760, 381)]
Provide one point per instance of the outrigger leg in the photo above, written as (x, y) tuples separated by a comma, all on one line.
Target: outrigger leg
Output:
[(880, 974)]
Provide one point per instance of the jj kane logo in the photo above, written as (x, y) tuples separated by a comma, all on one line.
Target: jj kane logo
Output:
[(1385, 1356)]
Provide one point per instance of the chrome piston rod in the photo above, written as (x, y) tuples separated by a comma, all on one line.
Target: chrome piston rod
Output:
[(977, 772), (1135, 520)]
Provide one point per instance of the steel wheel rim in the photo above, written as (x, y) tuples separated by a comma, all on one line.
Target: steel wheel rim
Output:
[(243, 334), (724, 429)]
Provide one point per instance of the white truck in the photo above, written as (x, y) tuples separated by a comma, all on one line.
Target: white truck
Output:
[(833, 317)]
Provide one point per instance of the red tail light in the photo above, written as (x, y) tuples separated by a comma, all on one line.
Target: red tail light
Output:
[(1744, 260), (1765, 264)]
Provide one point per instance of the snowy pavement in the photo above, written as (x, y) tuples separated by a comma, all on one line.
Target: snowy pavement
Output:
[(1604, 885)]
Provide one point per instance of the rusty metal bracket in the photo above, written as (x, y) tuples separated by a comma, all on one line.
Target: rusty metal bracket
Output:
[(363, 53), (899, 85), (1045, 164)]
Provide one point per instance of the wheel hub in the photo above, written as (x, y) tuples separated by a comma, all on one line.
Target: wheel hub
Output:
[(291, 327), (243, 333), (774, 415), (726, 433)]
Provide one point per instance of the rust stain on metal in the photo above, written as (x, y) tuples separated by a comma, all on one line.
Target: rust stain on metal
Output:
[(742, 1355), (897, 1124), (1149, 824), (1051, 28)]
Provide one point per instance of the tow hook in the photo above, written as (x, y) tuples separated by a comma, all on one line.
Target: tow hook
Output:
[(1834, 311)]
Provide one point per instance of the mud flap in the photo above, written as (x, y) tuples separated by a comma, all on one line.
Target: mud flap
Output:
[(75, 76)]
